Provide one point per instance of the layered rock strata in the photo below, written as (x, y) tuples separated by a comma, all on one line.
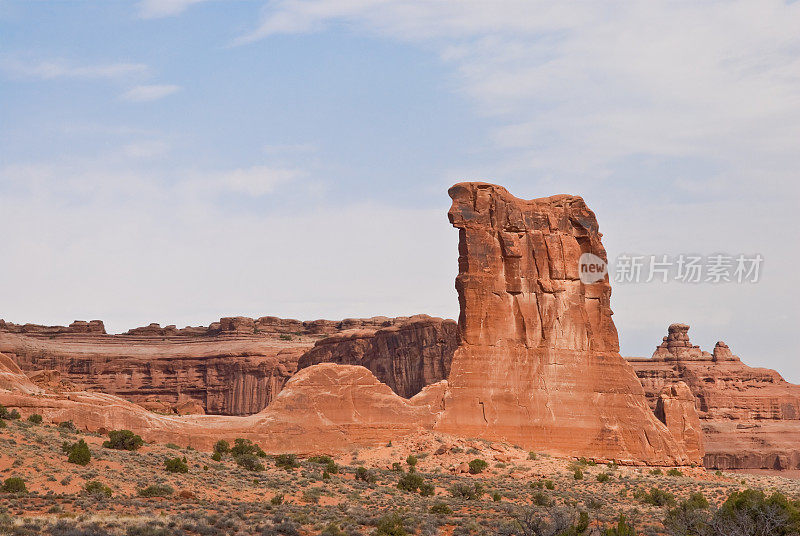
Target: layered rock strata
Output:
[(406, 356), (233, 367), (750, 417), (538, 363)]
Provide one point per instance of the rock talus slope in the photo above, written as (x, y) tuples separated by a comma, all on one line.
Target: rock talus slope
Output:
[(750, 417), (538, 364)]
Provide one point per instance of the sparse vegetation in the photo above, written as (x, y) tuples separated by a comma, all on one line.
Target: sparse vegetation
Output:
[(123, 440), (14, 484), (176, 465), (477, 466)]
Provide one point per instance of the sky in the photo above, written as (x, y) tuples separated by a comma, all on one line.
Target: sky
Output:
[(176, 161)]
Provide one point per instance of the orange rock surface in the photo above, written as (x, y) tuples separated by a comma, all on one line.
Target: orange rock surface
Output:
[(750, 417), (233, 367), (406, 356), (538, 363)]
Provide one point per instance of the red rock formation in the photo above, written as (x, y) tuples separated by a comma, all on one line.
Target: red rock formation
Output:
[(750, 417), (233, 367), (323, 408), (538, 363), (406, 356), (676, 408)]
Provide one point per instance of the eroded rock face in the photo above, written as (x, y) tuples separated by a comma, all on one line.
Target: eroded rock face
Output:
[(750, 417), (538, 362), (675, 407), (323, 408), (233, 367), (406, 356)]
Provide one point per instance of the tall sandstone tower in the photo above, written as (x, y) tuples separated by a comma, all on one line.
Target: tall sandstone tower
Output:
[(538, 362)]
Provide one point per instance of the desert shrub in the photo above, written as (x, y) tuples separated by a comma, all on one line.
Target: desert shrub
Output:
[(655, 497), (3, 424), (311, 495), (156, 490), (534, 522), (217, 457), (327, 461), (410, 482), (468, 491), (276, 499), (14, 484), (496, 496), (397, 467), (391, 525), (35, 418), (603, 477), (365, 475), (440, 508), (674, 472), (97, 489), (411, 461), (3, 412), (249, 462), (541, 499), (285, 337), (176, 465), (656, 472), (742, 510), (689, 518), (123, 440), (245, 446), (622, 528), (286, 461), (477, 466), (79, 453), (532, 456), (426, 490), (549, 484), (584, 461), (578, 474), (222, 447), (332, 529)]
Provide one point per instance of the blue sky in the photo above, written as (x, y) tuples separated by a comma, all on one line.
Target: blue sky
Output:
[(176, 161)]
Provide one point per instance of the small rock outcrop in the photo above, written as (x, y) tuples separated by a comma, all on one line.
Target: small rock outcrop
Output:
[(538, 362), (675, 407), (750, 417), (406, 356)]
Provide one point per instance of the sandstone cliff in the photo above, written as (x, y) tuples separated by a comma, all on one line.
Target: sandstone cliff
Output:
[(406, 356), (233, 367), (538, 363), (750, 417)]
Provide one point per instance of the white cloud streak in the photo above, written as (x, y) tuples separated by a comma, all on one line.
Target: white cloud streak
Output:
[(155, 9), (148, 93), (54, 69)]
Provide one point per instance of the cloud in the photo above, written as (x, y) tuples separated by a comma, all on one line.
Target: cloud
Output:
[(53, 69), (252, 181), (147, 93), (145, 148), (153, 9)]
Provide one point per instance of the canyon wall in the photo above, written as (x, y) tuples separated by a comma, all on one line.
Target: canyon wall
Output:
[(233, 367), (750, 417), (538, 362), (406, 356)]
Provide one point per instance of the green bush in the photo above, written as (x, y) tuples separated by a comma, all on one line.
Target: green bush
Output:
[(97, 489), (3, 424), (427, 490), (674, 472), (578, 474), (245, 446), (286, 461), (410, 482), (603, 477), (250, 462), (123, 440), (35, 418), (176, 465), (496, 496), (391, 525), (14, 484), (468, 491), (365, 475), (3, 412), (656, 472), (774, 515), (549, 484), (532, 456), (623, 528), (440, 508), (655, 497), (541, 499), (156, 490), (79, 453), (411, 461), (216, 457), (477, 466), (276, 500), (327, 461), (222, 447)]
